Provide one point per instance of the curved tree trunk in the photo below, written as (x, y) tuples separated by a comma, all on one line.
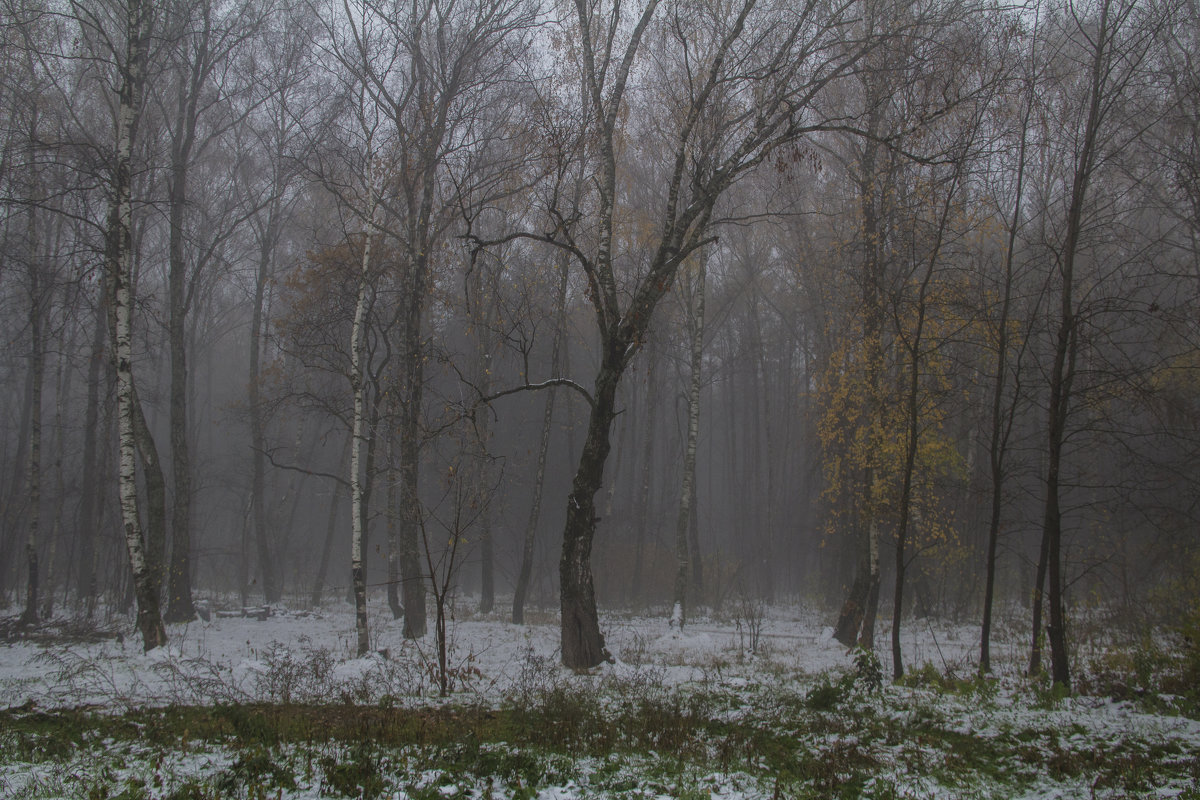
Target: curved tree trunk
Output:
[(582, 643)]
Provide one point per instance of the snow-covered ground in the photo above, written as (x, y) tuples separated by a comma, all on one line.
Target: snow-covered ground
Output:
[(231, 658), (753, 655)]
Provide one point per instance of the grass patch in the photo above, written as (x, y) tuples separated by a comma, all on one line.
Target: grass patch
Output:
[(838, 735)]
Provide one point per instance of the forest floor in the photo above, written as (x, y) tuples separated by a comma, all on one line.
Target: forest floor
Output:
[(758, 703)]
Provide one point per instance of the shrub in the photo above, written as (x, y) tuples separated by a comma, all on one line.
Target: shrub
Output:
[(868, 672)]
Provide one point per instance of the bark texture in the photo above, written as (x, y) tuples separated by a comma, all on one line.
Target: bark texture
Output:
[(119, 272)]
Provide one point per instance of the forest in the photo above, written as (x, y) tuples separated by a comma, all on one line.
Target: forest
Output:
[(676, 308), (726, 379)]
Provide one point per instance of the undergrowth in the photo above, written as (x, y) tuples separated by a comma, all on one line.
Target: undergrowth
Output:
[(626, 734)]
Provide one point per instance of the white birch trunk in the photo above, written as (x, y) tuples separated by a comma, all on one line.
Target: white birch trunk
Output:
[(358, 436), (120, 271)]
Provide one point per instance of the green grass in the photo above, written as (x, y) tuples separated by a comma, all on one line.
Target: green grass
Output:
[(832, 737)]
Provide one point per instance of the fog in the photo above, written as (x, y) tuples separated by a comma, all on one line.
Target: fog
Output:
[(314, 304)]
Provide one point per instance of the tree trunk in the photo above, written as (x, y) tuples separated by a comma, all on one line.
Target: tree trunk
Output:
[(913, 346), (857, 620), (37, 369), (119, 271), (411, 577), (89, 485), (902, 529), (1001, 424), (10, 536), (535, 508), (179, 584), (63, 392), (582, 643), (487, 548), (642, 506), (910, 459), (156, 492), (1039, 587), (854, 607), (258, 441), (393, 514), (318, 589), (480, 311), (360, 431), (866, 638), (763, 453), (409, 426), (694, 537), (694, 299), (1063, 371), (989, 582), (539, 482)]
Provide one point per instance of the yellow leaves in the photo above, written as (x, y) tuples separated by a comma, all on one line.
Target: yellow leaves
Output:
[(1176, 389), (864, 428), (1179, 375)]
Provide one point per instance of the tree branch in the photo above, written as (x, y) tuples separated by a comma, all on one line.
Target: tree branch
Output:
[(313, 473), (549, 383)]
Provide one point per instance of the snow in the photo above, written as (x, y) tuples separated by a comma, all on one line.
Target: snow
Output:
[(308, 656), (485, 654)]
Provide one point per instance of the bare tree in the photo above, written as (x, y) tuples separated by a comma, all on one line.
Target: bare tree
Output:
[(25, 237), (437, 75), (528, 541), (279, 129), (137, 20), (205, 41), (710, 134), (1110, 43), (1005, 378)]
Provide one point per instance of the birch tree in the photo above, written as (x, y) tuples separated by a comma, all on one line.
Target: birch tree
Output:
[(359, 427), (441, 76), (137, 19)]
